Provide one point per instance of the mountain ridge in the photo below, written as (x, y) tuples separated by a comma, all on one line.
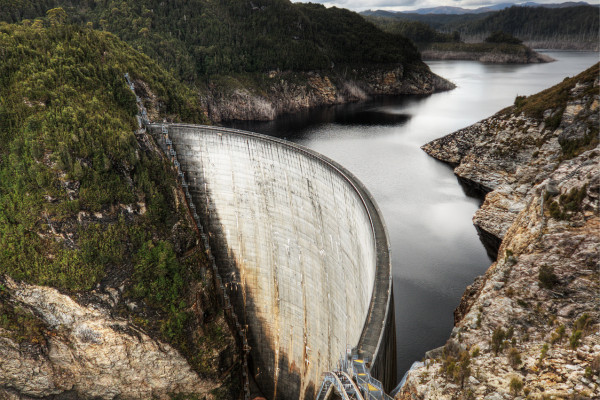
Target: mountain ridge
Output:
[(450, 10)]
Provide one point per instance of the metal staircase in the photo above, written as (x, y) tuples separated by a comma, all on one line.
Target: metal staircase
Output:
[(352, 380)]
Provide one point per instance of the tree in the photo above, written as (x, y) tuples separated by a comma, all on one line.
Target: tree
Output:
[(57, 16), (502, 37)]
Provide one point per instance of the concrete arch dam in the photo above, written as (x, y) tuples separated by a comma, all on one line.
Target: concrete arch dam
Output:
[(302, 248)]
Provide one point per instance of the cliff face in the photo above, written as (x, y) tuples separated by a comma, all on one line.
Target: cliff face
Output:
[(529, 326), (86, 351), (284, 92)]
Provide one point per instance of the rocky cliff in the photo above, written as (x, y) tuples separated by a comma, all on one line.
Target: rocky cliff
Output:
[(528, 328), (269, 95)]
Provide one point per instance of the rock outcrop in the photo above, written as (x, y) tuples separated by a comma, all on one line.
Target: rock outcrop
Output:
[(88, 352), (286, 92), (530, 326)]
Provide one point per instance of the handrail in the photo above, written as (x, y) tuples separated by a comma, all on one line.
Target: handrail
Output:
[(354, 387), (337, 383)]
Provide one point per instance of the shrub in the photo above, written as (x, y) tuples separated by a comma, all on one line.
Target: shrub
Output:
[(553, 121), (595, 365), (519, 100), (558, 335), (574, 339), (475, 352), (502, 37), (463, 370), (583, 323), (498, 340), (547, 277), (514, 357), (516, 385)]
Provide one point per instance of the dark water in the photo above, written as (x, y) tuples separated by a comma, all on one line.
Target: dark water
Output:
[(435, 248)]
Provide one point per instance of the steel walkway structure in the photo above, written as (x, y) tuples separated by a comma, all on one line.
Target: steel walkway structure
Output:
[(352, 380)]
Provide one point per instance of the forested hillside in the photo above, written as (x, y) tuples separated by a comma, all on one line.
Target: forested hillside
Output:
[(198, 38), (85, 203), (579, 23), (575, 27)]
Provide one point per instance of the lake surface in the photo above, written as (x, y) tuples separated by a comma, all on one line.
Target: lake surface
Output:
[(436, 252)]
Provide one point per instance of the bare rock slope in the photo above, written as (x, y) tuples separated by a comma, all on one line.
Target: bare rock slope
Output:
[(285, 92), (88, 352), (529, 327)]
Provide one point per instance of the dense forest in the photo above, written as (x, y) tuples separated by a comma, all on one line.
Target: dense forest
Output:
[(534, 22), (199, 38), (83, 200), (418, 32), (579, 24)]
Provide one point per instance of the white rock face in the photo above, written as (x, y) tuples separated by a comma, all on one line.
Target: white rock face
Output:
[(90, 353)]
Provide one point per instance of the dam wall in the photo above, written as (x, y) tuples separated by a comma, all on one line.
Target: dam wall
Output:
[(302, 249)]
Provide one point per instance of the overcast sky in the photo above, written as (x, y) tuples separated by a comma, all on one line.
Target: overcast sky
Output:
[(403, 5)]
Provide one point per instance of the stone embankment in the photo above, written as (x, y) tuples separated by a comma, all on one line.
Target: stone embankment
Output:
[(286, 92), (529, 327)]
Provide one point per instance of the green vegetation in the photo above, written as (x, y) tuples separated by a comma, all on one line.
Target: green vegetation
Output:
[(556, 97), (580, 328), (515, 385), (558, 335), (197, 39), (502, 37), (496, 48), (529, 23), (573, 26), (82, 200), (547, 277), (543, 354), (498, 337), (68, 125), (456, 363), (19, 324), (428, 39), (514, 357), (567, 204), (419, 32)]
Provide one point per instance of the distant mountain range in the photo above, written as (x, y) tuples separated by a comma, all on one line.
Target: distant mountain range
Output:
[(496, 7)]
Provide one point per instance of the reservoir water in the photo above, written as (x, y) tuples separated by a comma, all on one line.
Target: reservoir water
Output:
[(435, 248)]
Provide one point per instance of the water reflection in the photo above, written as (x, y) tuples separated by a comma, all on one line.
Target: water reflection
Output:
[(377, 112)]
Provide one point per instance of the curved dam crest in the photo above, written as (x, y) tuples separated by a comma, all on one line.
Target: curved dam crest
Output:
[(302, 249)]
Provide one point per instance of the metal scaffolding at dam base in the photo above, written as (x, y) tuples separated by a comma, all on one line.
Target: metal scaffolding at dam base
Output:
[(351, 380)]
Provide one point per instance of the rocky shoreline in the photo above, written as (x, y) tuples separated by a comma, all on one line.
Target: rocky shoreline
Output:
[(529, 327), (279, 92)]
